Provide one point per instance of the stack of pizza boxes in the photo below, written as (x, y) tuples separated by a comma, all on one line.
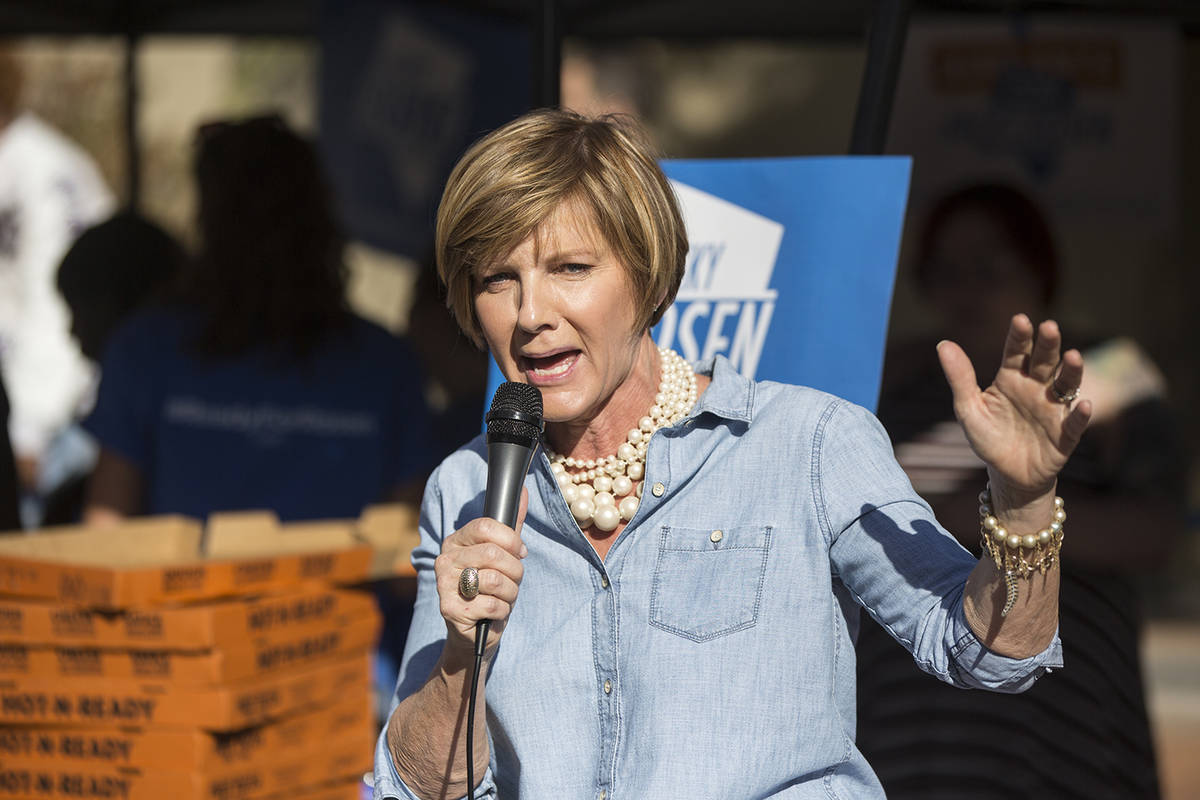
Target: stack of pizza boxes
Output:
[(166, 660)]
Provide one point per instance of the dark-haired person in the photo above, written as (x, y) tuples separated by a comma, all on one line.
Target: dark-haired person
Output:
[(674, 612), (985, 251), (257, 388), (112, 270)]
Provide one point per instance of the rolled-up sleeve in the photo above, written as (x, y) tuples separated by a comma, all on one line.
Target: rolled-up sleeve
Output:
[(898, 563)]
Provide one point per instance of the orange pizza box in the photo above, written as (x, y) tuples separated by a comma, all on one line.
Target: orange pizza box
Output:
[(204, 626), (190, 750), (115, 702), (27, 779), (266, 656), (391, 530), (166, 559)]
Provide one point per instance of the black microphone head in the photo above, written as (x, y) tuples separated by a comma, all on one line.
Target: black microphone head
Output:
[(516, 413)]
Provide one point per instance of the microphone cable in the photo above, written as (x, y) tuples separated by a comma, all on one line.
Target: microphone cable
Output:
[(481, 632)]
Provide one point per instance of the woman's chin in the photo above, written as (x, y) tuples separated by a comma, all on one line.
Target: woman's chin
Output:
[(554, 411)]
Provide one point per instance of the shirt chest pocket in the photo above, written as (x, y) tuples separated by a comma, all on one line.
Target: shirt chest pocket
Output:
[(708, 582)]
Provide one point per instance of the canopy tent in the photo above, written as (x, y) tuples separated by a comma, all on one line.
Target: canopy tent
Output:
[(883, 22)]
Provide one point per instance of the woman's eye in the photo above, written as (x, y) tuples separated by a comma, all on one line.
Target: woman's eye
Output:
[(575, 268), (494, 280)]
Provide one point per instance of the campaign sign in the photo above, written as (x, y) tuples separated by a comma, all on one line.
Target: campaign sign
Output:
[(790, 268), (405, 87)]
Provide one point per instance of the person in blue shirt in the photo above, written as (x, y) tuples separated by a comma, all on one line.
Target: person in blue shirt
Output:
[(675, 609), (256, 387)]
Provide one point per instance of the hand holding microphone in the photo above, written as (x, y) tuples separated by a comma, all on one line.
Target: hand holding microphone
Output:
[(480, 570)]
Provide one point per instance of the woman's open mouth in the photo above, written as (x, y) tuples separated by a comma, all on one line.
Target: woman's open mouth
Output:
[(549, 368)]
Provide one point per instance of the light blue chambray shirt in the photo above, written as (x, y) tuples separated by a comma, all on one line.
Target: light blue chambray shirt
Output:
[(711, 654)]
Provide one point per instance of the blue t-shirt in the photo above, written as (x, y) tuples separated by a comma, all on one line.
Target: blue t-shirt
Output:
[(314, 438)]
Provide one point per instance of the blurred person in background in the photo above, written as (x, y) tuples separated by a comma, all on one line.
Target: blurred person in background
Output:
[(257, 388), (50, 190), (455, 370), (112, 270), (986, 252)]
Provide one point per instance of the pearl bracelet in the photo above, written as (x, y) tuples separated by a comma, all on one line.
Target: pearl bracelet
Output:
[(1019, 556)]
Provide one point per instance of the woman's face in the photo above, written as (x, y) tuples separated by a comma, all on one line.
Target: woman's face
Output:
[(558, 313)]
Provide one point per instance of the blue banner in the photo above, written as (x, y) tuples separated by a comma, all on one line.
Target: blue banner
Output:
[(404, 89), (790, 268)]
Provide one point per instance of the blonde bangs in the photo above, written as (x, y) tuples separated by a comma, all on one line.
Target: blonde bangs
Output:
[(510, 182)]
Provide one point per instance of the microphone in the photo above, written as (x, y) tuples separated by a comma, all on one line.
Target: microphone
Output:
[(514, 430)]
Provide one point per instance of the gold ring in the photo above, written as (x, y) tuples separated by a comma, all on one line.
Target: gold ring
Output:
[(468, 583)]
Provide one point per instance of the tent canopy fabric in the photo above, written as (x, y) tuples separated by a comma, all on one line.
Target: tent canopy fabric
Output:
[(671, 18)]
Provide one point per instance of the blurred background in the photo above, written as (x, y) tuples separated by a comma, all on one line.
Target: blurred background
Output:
[(1090, 108)]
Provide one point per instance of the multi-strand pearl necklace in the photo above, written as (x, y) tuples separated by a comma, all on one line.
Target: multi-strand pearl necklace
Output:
[(606, 491)]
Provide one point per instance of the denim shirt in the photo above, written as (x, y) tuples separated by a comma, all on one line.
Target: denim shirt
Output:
[(711, 654)]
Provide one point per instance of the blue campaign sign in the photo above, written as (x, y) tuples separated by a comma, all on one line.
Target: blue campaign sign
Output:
[(790, 268), (405, 87)]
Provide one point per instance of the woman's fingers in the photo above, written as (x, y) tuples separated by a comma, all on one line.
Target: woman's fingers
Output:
[(959, 374), (485, 558), (488, 531), (1018, 345), (1070, 376), (492, 583), (495, 551), (1075, 424), (1045, 357)]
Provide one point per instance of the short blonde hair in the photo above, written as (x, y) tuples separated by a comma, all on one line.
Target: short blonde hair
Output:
[(511, 181)]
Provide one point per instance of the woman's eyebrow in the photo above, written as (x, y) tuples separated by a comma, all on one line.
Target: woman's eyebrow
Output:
[(572, 254)]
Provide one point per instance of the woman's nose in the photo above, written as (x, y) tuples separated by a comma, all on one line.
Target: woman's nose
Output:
[(536, 310)]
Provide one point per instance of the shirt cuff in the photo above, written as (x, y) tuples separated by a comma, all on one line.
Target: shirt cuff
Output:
[(389, 785), (984, 669)]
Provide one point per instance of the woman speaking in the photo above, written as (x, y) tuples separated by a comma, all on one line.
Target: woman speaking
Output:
[(675, 610)]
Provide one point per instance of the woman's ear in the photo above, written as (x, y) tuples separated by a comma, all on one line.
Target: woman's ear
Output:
[(659, 307)]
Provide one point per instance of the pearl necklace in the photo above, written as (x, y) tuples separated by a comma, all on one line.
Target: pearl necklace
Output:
[(606, 491)]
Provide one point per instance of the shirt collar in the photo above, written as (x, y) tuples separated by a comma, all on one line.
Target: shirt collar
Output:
[(729, 395)]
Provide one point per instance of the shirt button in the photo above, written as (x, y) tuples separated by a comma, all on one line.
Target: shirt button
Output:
[(658, 490), (715, 536), (608, 687), (603, 794), (604, 581)]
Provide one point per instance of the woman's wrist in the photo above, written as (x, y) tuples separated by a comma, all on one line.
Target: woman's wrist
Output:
[(1016, 552), (1021, 508)]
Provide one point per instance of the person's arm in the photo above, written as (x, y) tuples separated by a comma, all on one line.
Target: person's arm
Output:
[(426, 731), (1024, 433), (426, 734), (115, 490), (123, 423)]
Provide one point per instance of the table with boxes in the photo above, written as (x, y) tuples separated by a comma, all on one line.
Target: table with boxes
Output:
[(167, 660)]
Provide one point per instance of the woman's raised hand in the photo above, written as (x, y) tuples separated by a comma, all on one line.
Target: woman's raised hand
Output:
[(1026, 423), (495, 550)]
